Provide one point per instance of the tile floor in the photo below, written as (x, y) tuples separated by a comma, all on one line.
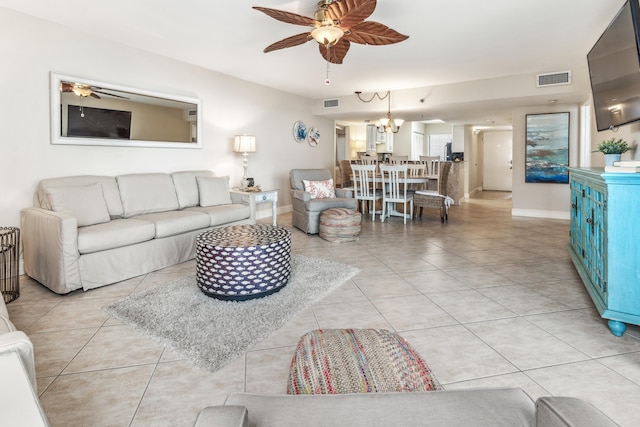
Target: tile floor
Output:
[(488, 300)]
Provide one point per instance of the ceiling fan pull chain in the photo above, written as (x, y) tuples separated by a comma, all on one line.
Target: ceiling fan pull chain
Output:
[(81, 110), (327, 81)]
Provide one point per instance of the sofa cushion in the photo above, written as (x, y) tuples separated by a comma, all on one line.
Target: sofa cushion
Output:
[(110, 191), (84, 202), (224, 214), (187, 186), (214, 191), (145, 193), (176, 222), (114, 234)]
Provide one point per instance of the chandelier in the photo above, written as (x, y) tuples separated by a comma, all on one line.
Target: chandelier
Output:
[(385, 124)]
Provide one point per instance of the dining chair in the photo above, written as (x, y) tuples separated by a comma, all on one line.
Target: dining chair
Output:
[(368, 160), (365, 187), (414, 170), (398, 160), (436, 199), (345, 172), (433, 170), (394, 183)]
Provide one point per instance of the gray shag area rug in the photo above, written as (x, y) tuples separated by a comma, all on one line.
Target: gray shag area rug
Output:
[(210, 332)]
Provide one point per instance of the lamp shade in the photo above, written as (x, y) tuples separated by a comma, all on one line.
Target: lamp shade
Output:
[(244, 144), (327, 35)]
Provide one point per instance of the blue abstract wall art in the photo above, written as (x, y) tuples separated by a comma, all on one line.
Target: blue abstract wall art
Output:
[(547, 153)]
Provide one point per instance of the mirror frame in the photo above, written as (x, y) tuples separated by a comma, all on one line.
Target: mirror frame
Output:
[(56, 131)]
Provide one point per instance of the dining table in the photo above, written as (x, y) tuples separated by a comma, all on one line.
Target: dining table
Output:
[(414, 179)]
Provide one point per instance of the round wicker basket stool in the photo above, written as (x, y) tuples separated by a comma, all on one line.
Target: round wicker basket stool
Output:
[(340, 225), (242, 262)]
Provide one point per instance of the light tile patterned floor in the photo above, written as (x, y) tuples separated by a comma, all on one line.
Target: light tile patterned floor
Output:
[(487, 299)]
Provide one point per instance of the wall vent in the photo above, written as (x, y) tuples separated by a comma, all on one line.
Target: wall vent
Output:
[(553, 79), (331, 103)]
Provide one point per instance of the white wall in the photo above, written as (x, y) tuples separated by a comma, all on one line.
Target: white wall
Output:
[(32, 48), (540, 199), (630, 133)]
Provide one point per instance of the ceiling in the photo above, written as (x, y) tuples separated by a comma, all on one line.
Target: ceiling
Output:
[(449, 41)]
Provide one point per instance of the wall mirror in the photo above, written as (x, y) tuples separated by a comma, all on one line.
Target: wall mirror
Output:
[(88, 112)]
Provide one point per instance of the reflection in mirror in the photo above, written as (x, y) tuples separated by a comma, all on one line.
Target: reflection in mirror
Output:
[(86, 112)]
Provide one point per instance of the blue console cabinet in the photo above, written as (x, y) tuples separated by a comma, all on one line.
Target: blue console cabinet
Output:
[(605, 242)]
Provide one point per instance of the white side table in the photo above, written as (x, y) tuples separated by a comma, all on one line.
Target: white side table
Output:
[(259, 197)]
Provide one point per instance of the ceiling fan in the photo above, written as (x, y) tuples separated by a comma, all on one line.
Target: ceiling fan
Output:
[(336, 24), (85, 90)]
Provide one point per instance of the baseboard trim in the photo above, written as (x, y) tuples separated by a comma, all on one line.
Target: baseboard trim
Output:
[(541, 214), (266, 212)]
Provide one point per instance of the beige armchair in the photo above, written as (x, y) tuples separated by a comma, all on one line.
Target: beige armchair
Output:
[(306, 211)]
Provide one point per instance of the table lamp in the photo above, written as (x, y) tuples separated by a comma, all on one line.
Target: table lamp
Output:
[(244, 144)]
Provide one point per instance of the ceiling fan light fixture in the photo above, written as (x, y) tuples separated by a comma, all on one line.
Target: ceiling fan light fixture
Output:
[(81, 90), (327, 35)]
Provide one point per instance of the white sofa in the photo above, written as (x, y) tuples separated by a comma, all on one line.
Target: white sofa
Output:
[(88, 231), (19, 403), (474, 408)]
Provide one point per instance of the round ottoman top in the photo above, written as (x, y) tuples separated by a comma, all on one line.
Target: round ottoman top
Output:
[(340, 213), (244, 235)]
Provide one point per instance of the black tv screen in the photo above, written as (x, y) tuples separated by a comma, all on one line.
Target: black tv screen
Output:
[(614, 68), (98, 123)]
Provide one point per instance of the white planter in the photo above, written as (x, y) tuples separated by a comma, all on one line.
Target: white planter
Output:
[(610, 158)]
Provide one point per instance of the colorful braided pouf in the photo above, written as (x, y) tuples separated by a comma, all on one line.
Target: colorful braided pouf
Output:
[(340, 225), (335, 361)]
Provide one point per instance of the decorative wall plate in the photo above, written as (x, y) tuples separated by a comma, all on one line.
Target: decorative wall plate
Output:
[(314, 136), (299, 131)]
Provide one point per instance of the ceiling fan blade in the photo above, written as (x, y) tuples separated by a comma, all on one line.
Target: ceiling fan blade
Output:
[(95, 95), (66, 86), (335, 54), (109, 94), (350, 12), (289, 42), (374, 33), (288, 17)]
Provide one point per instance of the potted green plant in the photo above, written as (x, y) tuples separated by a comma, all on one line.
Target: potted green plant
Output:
[(612, 149)]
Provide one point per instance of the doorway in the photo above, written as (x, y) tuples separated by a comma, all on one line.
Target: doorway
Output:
[(497, 157)]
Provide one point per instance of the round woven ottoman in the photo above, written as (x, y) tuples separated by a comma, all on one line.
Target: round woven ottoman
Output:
[(242, 262), (340, 225)]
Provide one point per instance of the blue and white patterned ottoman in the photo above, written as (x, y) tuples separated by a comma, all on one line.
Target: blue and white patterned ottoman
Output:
[(242, 262)]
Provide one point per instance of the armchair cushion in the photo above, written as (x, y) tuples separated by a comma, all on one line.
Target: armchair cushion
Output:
[(320, 189), (84, 202)]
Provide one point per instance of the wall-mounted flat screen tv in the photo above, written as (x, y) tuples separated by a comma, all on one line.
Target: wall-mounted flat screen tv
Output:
[(614, 68), (98, 123)]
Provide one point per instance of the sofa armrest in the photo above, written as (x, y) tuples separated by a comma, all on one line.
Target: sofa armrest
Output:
[(560, 411), (19, 341), (301, 195), (239, 199), (50, 242), (243, 199), (223, 416)]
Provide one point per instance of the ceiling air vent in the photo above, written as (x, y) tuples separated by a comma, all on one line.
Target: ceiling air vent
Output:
[(330, 103), (553, 79)]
